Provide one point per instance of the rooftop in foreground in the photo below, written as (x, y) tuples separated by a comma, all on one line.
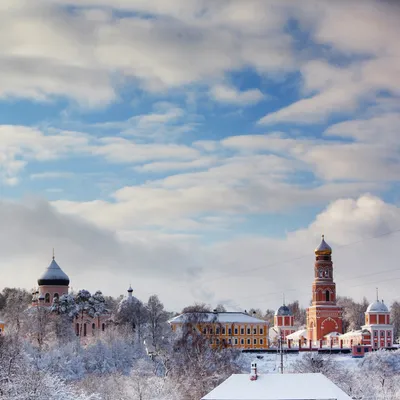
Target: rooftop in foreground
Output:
[(277, 387)]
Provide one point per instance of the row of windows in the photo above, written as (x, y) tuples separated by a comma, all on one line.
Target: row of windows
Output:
[(103, 327), (382, 333), (236, 341), (223, 331)]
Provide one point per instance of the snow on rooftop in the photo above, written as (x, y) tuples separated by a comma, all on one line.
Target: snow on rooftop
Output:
[(222, 317), (297, 335), (277, 387)]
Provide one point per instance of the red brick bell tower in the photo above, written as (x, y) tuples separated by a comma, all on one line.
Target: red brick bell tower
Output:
[(323, 316)]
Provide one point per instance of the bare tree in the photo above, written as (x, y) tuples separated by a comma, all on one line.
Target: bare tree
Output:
[(395, 317), (157, 319)]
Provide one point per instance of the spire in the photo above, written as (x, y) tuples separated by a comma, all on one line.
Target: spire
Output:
[(53, 253), (130, 290), (283, 295), (377, 295), (323, 249)]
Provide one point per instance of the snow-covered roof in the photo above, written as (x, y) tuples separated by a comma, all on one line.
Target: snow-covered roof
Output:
[(297, 335), (323, 248), (54, 275), (277, 387), (283, 311), (221, 317), (377, 306), (352, 333), (333, 334)]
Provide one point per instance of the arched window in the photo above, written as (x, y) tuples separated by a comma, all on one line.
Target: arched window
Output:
[(327, 295), (84, 330), (56, 296), (93, 328), (103, 326), (77, 329), (47, 298)]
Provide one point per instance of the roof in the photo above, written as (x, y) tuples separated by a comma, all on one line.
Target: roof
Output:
[(54, 275), (222, 317), (323, 248), (277, 387), (333, 334), (377, 306), (283, 311), (352, 333), (297, 335)]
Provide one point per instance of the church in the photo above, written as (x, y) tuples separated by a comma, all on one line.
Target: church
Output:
[(53, 284)]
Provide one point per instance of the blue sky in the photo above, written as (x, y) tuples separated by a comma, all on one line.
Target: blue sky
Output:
[(196, 138)]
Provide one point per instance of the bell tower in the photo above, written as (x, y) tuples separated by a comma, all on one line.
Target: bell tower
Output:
[(323, 316)]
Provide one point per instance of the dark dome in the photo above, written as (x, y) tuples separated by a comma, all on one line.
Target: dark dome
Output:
[(54, 275), (283, 311)]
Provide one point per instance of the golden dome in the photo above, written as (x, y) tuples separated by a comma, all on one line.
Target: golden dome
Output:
[(323, 249)]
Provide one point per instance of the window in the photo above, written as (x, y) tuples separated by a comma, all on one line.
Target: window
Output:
[(388, 334), (217, 331), (255, 341), (93, 328), (254, 331), (103, 326), (382, 334), (211, 340), (217, 341), (223, 331), (236, 341), (261, 331), (375, 333), (242, 331), (211, 331), (248, 331), (205, 331), (358, 349), (261, 341), (84, 330), (56, 296), (248, 341), (327, 295), (229, 331), (241, 341), (236, 331), (77, 329), (47, 298)]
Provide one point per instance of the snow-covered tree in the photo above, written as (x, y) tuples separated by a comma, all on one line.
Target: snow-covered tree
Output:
[(82, 301), (157, 319), (133, 313)]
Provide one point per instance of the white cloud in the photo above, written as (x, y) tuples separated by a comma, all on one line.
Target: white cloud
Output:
[(246, 270), (229, 94), (51, 175)]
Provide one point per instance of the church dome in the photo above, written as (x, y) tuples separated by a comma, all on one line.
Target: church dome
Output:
[(283, 311), (54, 275), (377, 306), (323, 249)]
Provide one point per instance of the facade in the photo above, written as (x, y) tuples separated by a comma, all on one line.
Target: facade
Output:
[(323, 316), (54, 283), (236, 329), (377, 331), (283, 325), (276, 387)]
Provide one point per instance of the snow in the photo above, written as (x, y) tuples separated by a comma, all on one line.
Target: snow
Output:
[(269, 362), (54, 272), (276, 387), (377, 306), (222, 317), (297, 335)]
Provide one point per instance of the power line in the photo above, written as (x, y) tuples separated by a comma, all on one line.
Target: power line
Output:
[(224, 276)]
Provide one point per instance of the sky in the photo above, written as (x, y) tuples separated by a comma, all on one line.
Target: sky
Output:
[(198, 149)]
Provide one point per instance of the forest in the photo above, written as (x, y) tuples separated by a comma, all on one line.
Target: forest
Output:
[(139, 357)]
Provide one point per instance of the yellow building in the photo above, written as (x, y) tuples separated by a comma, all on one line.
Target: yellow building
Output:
[(236, 329), (2, 326)]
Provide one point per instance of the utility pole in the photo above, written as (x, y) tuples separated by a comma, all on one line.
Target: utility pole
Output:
[(281, 353)]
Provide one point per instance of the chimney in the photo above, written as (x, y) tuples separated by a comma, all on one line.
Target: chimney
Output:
[(253, 373)]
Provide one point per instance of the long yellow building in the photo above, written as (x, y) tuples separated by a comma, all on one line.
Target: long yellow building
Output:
[(236, 329)]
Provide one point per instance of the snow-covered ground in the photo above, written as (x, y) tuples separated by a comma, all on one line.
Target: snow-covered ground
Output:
[(269, 363)]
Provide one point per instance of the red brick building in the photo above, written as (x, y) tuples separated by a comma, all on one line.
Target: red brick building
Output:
[(323, 316)]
